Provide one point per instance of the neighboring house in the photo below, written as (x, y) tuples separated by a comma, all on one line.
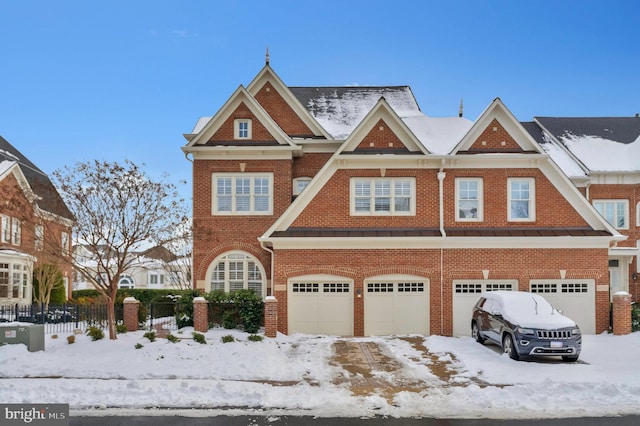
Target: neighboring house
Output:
[(364, 216), (601, 155), (155, 268), (33, 221)]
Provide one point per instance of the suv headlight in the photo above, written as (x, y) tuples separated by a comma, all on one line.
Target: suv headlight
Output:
[(575, 332), (524, 330)]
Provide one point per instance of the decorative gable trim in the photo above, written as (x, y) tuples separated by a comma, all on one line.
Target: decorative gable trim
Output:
[(14, 169), (267, 75), (382, 118), (238, 98), (497, 119)]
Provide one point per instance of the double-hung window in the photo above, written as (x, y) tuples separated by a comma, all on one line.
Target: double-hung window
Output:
[(16, 232), (469, 199), (242, 128), (242, 194), (5, 229), (616, 212), (521, 199), (39, 237), (383, 196)]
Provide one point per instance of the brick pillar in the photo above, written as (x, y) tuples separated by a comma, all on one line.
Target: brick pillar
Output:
[(131, 307), (621, 313), (200, 315), (270, 316)]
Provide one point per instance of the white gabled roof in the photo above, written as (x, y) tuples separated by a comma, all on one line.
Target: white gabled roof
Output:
[(498, 111)]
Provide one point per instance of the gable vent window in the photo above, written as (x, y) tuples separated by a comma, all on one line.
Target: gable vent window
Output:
[(242, 128)]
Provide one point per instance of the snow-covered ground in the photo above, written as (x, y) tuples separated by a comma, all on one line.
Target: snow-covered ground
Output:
[(294, 375)]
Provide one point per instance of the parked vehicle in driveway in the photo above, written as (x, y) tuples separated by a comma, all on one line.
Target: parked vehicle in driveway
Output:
[(524, 324)]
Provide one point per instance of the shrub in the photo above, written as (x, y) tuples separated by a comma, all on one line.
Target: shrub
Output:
[(172, 338), (151, 335), (71, 339), (250, 308), (198, 337), (121, 328), (54, 336), (95, 333), (229, 320), (138, 346), (635, 317), (255, 338), (228, 339)]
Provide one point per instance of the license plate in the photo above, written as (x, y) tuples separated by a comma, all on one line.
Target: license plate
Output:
[(556, 344)]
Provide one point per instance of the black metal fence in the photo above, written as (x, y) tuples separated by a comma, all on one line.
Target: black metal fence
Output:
[(162, 315), (59, 318)]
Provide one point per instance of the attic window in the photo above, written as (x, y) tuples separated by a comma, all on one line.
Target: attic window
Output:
[(242, 128)]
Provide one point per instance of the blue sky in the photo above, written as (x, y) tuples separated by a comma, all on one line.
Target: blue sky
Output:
[(125, 79)]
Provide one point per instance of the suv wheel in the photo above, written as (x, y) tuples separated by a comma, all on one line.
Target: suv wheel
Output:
[(509, 347), (475, 333)]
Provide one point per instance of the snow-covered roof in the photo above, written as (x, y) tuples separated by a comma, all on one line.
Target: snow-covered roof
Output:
[(601, 144), (340, 109), (438, 135)]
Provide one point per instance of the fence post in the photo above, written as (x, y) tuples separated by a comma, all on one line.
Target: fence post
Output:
[(17, 313), (270, 316), (200, 314), (621, 313), (131, 306)]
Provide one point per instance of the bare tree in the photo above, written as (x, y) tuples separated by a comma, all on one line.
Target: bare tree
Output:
[(47, 278), (118, 210)]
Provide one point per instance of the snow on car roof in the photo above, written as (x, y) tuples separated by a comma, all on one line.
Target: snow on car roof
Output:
[(529, 310)]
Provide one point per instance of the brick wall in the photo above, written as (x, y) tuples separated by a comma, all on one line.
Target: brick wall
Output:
[(517, 264), (495, 138), (226, 130), (281, 112)]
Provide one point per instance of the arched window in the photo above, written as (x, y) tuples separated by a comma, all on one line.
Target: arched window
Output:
[(235, 271), (126, 281)]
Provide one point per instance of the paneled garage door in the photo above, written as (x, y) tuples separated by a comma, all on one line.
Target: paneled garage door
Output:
[(465, 296), (320, 307), (576, 299), (393, 306)]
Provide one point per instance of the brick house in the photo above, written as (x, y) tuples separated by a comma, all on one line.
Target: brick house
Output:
[(600, 156), (364, 216), (34, 221)]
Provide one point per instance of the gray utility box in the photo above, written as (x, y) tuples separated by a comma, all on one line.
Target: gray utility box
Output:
[(31, 335)]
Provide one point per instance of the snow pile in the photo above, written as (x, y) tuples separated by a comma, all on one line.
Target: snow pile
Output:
[(295, 375)]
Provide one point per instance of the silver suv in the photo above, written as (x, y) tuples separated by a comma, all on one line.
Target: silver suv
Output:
[(524, 324)]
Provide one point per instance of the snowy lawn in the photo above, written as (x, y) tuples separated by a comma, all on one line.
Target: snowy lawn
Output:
[(295, 375)]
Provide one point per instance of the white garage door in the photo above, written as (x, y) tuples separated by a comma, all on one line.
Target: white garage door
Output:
[(396, 307), (320, 307), (465, 296), (576, 299)]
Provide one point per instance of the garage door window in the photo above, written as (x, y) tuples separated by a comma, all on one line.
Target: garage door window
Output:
[(379, 287), (544, 288), (468, 288), (575, 288), (305, 287), (335, 287), (410, 287)]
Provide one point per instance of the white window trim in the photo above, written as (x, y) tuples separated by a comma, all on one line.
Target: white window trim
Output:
[(234, 176), (5, 228), (236, 128), (480, 213), (372, 211), (39, 237), (532, 200), (615, 201), (296, 181), (225, 257)]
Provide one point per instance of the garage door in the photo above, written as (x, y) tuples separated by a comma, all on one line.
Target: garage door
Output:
[(465, 296), (576, 299), (396, 307), (320, 307)]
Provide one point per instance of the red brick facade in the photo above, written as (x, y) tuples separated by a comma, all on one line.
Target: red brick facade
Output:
[(438, 259)]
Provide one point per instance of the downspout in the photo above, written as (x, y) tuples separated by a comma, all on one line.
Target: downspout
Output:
[(443, 234), (272, 266)]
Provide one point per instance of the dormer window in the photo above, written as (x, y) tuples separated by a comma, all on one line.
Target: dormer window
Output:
[(242, 128)]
